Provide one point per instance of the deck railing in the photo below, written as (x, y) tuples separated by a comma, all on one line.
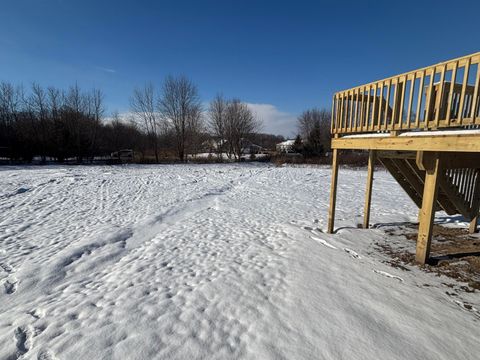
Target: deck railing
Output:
[(422, 99)]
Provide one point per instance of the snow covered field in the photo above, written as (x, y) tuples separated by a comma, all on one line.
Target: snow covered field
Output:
[(213, 262)]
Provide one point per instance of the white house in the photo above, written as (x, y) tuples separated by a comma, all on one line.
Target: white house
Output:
[(286, 146)]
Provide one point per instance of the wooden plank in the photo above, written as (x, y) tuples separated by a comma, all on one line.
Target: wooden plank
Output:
[(427, 213), (473, 227), (367, 115), (380, 105), (337, 113), (368, 191), (387, 105), (464, 88), (372, 126), (419, 102), (451, 93), (438, 102), (397, 154), (410, 102), (350, 124), (474, 113), (332, 121), (362, 110), (401, 109), (342, 110), (447, 143), (475, 206), (442, 201), (392, 169), (355, 120), (333, 192), (428, 100), (408, 174), (394, 107)]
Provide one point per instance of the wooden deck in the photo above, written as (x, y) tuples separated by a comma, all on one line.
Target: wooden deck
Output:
[(426, 133)]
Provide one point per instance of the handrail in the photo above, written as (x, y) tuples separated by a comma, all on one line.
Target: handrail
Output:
[(421, 99)]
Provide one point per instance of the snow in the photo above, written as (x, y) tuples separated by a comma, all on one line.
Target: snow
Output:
[(214, 262), (418, 133), (289, 142), (443, 132)]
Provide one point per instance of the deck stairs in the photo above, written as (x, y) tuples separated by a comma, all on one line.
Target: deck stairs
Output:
[(458, 189)]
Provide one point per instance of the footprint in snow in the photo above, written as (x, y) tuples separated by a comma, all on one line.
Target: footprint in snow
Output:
[(386, 274), (323, 242), (6, 267), (10, 286), (468, 307), (23, 340), (46, 355), (37, 313), (352, 253)]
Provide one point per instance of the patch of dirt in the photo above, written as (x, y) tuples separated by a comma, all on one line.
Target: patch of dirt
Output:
[(454, 253)]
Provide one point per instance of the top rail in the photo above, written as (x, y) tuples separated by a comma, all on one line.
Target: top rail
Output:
[(443, 95)]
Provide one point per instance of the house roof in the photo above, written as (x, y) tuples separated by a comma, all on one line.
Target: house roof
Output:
[(287, 143)]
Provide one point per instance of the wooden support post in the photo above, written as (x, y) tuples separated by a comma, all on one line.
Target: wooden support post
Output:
[(473, 228), (427, 212), (333, 192), (368, 191)]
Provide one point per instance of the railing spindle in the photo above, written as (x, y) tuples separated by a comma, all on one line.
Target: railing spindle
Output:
[(420, 97), (428, 100), (410, 101), (475, 96), (380, 103), (464, 89), (387, 104), (451, 93), (438, 102), (367, 114), (372, 126), (402, 100)]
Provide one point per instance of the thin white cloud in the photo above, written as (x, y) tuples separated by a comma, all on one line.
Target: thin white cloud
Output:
[(275, 121), (108, 70)]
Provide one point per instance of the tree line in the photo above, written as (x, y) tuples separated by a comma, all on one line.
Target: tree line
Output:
[(70, 124), (50, 122), (168, 122)]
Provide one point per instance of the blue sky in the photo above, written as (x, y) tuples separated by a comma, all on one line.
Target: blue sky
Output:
[(281, 57)]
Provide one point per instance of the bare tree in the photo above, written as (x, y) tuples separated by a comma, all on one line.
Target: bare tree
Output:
[(217, 121), (37, 107), (240, 123), (97, 111), (143, 106), (314, 126), (11, 101), (181, 108)]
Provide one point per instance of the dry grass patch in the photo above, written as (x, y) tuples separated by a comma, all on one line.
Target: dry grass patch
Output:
[(454, 253)]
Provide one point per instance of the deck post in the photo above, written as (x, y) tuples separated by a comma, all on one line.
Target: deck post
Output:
[(333, 192), (368, 192), (473, 228), (427, 212)]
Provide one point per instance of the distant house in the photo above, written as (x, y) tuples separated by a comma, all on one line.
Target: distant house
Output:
[(286, 146)]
